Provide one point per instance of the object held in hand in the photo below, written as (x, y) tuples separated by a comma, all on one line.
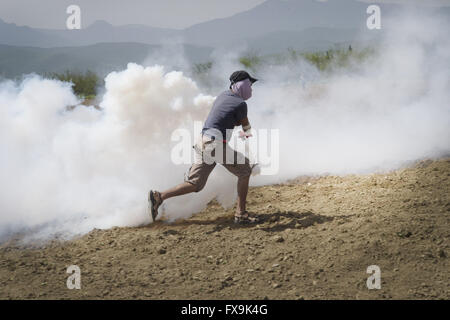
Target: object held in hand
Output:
[(244, 135)]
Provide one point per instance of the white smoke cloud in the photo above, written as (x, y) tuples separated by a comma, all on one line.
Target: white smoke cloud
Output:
[(70, 171), (393, 109)]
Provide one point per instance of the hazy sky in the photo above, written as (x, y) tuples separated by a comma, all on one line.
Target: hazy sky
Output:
[(159, 13)]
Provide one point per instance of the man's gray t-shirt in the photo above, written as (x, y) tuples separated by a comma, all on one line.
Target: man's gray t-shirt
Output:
[(226, 113)]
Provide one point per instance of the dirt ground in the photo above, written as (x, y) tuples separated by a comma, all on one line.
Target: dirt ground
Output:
[(317, 237)]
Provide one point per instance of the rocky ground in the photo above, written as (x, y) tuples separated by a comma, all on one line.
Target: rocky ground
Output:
[(317, 237)]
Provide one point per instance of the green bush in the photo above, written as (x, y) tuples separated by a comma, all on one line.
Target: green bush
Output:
[(84, 84), (337, 58), (324, 61), (250, 61), (201, 68)]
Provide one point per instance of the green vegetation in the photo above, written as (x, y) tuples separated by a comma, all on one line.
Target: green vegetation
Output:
[(324, 61), (251, 61), (201, 68), (84, 84), (336, 58)]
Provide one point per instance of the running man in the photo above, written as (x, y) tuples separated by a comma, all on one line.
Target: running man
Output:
[(229, 110)]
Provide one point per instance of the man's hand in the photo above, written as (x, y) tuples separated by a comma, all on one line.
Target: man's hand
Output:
[(244, 135)]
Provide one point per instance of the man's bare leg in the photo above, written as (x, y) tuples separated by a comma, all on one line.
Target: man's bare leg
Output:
[(186, 187), (183, 188), (156, 198), (242, 189)]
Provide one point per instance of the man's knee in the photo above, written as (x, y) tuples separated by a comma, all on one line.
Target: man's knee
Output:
[(198, 175), (197, 183), (198, 186)]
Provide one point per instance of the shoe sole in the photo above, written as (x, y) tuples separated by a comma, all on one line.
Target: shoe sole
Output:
[(246, 221), (151, 201)]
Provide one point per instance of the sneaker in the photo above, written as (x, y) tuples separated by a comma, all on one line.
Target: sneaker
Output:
[(154, 201), (245, 218)]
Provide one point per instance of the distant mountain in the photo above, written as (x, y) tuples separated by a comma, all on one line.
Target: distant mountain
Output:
[(277, 15), (269, 27), (101, 58), (307, 40), (102, 31), (98, 32), (11, 34), (267, 18)]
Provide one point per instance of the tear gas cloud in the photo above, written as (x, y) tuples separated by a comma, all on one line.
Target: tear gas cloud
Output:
[(69, 171)]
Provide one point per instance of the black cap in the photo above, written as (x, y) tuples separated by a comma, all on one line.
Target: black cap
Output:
[(241, 75)]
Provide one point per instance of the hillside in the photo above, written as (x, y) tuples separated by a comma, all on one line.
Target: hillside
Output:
[(317, 237), (292, 18), (101, 58), (270, 27)]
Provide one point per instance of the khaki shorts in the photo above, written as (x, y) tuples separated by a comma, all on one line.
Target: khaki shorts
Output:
[(208, 153)]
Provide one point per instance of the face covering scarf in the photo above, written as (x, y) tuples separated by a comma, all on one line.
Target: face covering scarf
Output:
[(243, 89)]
